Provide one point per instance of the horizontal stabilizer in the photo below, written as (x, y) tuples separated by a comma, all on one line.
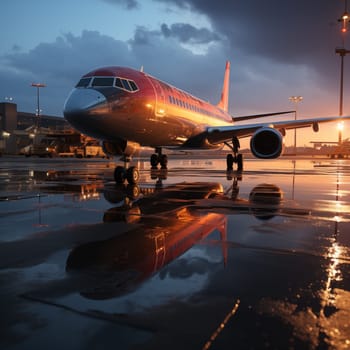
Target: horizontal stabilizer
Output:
[(255, 116)]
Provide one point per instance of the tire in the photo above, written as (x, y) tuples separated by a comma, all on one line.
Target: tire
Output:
[(154, 160), (119, 175), (229, 161), (164, 161), (239, 162), (133, 175), (133, 191)]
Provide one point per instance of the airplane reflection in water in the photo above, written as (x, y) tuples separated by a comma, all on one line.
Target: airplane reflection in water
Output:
[(150, 227), (161, 227)]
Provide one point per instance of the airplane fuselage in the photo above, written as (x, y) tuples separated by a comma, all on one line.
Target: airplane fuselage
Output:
[(117, 103)]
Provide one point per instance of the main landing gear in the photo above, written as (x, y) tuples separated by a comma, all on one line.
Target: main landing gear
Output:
[(235, 157), (122, 173), (159, 158)]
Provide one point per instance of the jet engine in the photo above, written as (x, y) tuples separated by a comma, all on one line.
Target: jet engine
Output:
[(120, 147), (266, 143)]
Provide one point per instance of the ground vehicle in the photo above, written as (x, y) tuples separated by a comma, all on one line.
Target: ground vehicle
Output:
[(88, 150), (40, 150)]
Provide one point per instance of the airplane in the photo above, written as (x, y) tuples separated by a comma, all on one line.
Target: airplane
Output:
[(128, 109)]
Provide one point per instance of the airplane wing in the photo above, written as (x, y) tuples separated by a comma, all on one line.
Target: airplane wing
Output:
[(219, 134), (256, 116)]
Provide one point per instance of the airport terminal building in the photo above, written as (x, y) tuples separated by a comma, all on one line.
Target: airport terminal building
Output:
[(18, 129)]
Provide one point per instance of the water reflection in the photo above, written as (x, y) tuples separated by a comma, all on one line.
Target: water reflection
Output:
[(325, 325), (156, 226), (285, 273), (161, 226)]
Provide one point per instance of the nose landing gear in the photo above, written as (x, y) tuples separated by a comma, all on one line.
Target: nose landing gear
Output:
[(122, 173)]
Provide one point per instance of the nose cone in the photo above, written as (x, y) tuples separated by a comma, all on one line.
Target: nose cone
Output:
[(81, 100), (82, 106)]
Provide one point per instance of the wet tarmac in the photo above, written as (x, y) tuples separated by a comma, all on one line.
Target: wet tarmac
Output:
[(191, 258)]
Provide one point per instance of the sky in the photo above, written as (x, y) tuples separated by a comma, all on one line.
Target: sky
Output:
[(277, 49)]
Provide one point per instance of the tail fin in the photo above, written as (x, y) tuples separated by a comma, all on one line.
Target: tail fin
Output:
[(223, 104)]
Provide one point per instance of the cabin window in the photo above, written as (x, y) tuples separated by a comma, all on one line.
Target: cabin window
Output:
[(103, 82), (84, 82)]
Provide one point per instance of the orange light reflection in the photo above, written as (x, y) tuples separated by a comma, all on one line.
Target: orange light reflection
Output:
[(222, 325)]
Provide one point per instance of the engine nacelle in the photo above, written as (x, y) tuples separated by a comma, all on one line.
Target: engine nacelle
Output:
[(120, 147), (266, 143)]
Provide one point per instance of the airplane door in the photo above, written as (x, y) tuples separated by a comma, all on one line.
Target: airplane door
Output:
[(160, 98)]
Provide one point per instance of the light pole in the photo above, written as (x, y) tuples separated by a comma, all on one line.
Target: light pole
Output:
[(38, 86), (342, 51), (296, 100)]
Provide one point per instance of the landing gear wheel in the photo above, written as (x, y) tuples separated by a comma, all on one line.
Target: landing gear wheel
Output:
[(154, 160), (164, 161), (119, 174), (229, 161), (239, 162), (132, 175), (133, 191)]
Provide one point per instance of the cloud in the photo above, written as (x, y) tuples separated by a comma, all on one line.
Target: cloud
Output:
[(297, 32), (143, 36), (186, 33), (68, 54), (128, 4), (184, 268), (181, 32)]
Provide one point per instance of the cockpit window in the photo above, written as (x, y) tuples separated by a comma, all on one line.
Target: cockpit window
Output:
[(133, 85), (84, 82), (103, 82), (126, 84), (118, 83)]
